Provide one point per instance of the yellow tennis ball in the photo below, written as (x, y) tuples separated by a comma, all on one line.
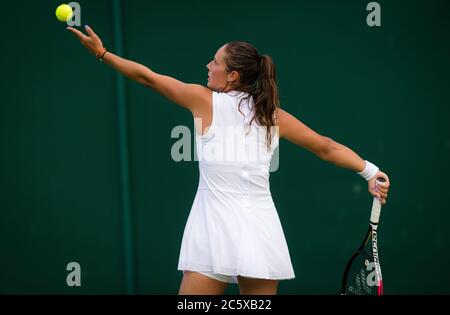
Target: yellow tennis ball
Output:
[(64, 12)]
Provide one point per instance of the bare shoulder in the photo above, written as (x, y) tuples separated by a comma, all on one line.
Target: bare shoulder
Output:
[(202, 91), (202, 107), (201, 99)]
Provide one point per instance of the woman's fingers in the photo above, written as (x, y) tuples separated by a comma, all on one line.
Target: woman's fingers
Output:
[(386, 178), (379, 189), (381, 196), (382, 192), (382, 189), (383, 185), (376, 193), (91, 32), (78, 34)]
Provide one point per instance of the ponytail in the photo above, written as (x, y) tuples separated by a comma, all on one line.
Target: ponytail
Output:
[(266, 96)]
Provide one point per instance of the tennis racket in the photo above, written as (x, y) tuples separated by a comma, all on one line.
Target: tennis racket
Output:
[(362, 274)]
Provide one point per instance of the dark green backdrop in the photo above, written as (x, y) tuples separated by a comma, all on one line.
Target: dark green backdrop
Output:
[(83, 149)]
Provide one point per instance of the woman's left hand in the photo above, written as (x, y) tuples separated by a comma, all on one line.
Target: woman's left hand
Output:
[(380, 189), (92, 42)]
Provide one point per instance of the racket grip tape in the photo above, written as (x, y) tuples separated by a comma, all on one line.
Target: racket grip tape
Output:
[(376, 206)]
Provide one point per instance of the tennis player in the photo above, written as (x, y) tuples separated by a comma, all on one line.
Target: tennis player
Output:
[(233, 233)]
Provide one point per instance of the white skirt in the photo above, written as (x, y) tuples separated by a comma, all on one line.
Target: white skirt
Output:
[(223, 237)]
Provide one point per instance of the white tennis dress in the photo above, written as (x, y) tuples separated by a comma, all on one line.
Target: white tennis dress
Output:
[(233, 227)]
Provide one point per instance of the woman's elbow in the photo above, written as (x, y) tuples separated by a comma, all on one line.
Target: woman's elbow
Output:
[(326, 146), (146, 77)]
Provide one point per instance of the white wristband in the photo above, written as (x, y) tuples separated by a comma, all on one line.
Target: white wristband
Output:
[(369, 170)]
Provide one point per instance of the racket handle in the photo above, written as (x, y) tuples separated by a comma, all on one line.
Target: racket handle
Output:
[(376, 206)]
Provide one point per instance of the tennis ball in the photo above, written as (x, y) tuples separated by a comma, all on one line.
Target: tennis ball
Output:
[(64, 12)]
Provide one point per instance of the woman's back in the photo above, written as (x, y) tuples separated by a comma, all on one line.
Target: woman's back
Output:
[(233, 227)]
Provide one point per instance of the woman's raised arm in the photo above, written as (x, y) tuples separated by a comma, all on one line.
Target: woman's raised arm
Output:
[(194, 97)]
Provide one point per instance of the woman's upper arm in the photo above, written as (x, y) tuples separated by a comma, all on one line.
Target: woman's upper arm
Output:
[(190, 96), (298, 133)]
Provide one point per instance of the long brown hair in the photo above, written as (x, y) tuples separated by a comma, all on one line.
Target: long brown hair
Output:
[(257, 78)]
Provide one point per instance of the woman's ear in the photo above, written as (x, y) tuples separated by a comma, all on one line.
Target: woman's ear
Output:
[(233, 77)]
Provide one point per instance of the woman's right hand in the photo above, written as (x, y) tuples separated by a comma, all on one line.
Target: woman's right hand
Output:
[(379, 189), (92, 42)]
